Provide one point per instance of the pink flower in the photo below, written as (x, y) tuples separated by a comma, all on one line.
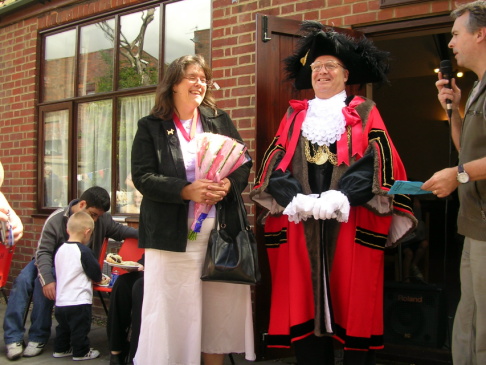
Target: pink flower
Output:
[(217, 157)]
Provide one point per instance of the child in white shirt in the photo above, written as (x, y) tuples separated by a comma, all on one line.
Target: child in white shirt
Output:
[(76, 269)]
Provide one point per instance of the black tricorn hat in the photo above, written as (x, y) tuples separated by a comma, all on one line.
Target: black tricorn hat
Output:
[(362, 59)]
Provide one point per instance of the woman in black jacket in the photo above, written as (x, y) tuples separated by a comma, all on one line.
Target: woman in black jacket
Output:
[(183, 317)]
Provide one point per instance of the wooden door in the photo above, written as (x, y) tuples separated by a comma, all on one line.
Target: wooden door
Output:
[(276, 40)]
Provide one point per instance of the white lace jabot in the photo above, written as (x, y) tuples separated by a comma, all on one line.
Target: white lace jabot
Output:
[(324, 123)]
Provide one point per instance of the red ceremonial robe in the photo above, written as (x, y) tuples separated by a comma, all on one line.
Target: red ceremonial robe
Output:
[(348, 303)]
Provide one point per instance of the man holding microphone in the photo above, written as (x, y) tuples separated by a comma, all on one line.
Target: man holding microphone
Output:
[(469, 177)]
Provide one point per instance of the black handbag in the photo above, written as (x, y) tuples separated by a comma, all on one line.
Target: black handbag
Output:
[(231, 260)]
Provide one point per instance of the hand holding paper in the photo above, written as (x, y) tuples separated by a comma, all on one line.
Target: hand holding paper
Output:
[(217, 157), (408, 187)]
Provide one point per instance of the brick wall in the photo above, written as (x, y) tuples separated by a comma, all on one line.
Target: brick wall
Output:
[(234, 33), (233, 57), (18, 118), (18, 128)]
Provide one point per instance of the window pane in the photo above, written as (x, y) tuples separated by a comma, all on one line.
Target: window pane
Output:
[(59, 66), (94, 145), (139, 49), (187, 29), (56, 127), (131, 109), (96, 58)]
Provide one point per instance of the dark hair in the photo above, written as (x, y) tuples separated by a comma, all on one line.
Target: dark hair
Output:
[(96, 197), (164, 99), (477, 14)]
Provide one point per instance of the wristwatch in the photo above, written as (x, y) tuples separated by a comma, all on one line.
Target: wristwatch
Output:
[(462, 175)]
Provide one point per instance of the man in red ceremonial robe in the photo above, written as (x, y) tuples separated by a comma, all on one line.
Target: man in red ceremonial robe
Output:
[(328, 217)]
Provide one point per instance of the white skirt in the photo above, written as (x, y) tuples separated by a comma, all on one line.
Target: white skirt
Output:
[(183, 316)]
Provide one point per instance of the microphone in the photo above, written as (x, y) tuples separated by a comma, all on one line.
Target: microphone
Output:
[(446, 71)]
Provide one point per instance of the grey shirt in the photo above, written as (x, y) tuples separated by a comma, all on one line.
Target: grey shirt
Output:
[(472, 195), (54, 234)]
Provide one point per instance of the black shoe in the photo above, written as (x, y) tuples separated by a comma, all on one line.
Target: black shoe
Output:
[(118, 359)]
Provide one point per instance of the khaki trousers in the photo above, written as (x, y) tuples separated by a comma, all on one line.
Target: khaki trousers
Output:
[(469, 331)]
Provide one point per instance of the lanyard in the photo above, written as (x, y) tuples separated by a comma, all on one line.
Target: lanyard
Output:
[(187, 136)]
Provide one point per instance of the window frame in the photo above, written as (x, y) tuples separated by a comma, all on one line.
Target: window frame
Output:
[(71, 103), (392, 3), (43, 109)]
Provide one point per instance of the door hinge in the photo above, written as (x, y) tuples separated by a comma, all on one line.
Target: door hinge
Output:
[(265, 37)]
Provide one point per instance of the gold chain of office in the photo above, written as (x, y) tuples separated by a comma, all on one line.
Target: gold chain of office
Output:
[(322, 154)]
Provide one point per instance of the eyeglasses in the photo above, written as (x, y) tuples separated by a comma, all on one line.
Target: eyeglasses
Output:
[(328, 65), (193, 79)]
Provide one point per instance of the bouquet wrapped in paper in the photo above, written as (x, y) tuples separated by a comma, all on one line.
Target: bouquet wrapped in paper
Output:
[(217, 156)]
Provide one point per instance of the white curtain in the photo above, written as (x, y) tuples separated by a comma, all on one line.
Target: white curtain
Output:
[(94, 144), (131, 109), (56, 134)]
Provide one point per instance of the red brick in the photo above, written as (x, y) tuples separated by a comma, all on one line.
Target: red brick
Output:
[(224, 22), (225, 62), (245, 102), (384, 14), (334, 2), (246, 18), (243, 91), (250, 48), (247, 134), (360, 19), (412, 10), (440, 6), (243, 112), (243, 70), (248, 6), (244, 80), (336, 11), (218, 13), (288, 9), (360, 7), (374, 5), (245, 38), (336, 22), (225, 42)]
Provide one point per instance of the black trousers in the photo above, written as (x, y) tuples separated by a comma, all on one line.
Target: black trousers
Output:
[(137, 301), (122, 315), (74, 324), (359, 357), (313, 350)]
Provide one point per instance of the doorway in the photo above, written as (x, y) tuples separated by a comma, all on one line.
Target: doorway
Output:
[(419, 128), (416, 123)]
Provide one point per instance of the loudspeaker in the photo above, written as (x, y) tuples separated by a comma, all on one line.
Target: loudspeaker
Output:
[(415, 314)]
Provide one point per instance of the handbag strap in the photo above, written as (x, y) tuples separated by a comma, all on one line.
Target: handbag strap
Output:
[(220, 210), (220, 220), (242, 213)]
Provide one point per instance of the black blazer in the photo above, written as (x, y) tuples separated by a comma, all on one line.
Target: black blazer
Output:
[(158, 172)]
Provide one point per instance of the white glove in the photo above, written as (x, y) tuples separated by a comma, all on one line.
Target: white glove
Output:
[(332, 204), (301, 207)]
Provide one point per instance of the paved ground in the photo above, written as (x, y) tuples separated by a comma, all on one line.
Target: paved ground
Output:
[(100, 342)]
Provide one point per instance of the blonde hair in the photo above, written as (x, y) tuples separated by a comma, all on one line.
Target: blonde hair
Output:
[(79, 222)]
